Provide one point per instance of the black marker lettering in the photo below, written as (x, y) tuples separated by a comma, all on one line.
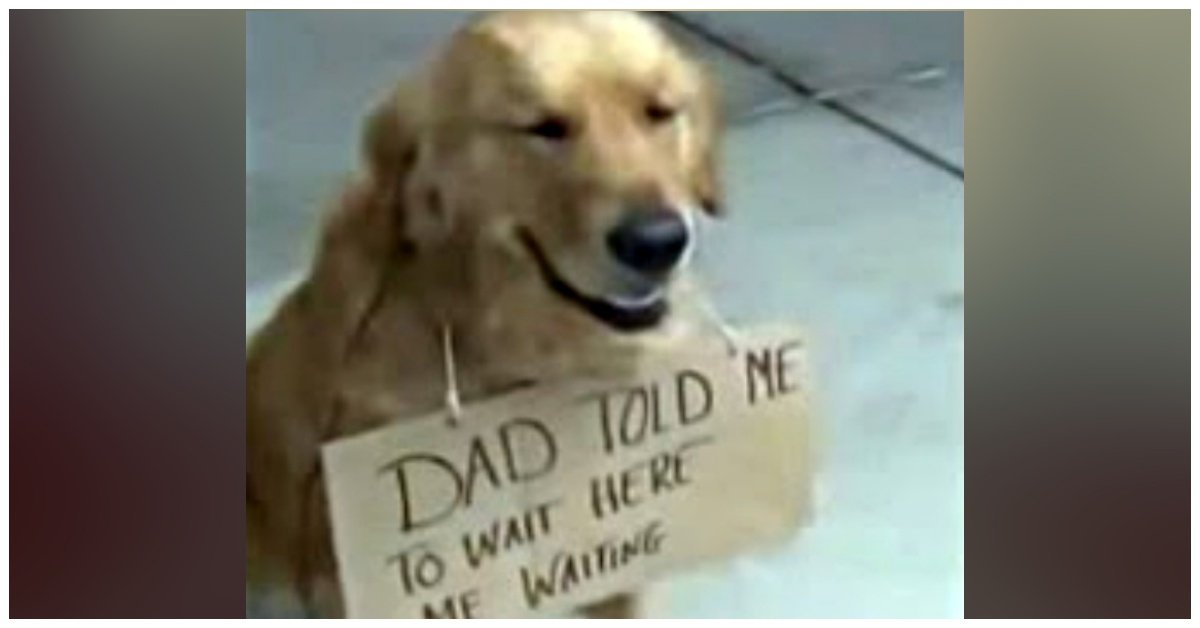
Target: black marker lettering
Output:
[(758, 369), (536, 435), (477, 458), (460, 606), (703, 390), (633, 424), (782, 367), (418, 567), (401, 467)]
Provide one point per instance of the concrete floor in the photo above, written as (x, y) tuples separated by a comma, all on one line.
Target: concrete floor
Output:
[(832, 226)]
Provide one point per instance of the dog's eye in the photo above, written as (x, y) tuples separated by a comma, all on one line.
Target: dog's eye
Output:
[(551, 128), (658, 113)]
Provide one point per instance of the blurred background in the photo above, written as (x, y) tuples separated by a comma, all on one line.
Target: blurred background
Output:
[(844, 163)]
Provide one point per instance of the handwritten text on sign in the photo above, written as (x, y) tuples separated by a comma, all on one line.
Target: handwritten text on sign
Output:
[(547, 499)]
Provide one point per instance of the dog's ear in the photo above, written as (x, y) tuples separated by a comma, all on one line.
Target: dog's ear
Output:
[(705, 176), (389, 141), (392, 144)]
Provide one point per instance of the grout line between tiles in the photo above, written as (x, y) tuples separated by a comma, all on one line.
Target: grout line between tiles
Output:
[(807, 92)]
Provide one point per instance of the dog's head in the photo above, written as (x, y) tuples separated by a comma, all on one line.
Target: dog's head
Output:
[(572, 152)]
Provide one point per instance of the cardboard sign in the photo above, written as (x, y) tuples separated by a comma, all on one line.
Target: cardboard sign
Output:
[(544, 500)]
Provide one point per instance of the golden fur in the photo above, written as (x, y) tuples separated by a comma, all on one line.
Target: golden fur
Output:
[(426, 237)]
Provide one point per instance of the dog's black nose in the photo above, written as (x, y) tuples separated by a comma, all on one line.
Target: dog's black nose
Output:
[(650, 241)]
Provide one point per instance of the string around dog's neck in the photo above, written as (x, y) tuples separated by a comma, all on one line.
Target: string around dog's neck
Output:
[(450, 370)]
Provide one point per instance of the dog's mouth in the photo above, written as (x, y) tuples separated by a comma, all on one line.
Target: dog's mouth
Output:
[(622, 314)]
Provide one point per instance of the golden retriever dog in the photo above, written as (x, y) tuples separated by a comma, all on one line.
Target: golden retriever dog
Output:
[(527, 208)]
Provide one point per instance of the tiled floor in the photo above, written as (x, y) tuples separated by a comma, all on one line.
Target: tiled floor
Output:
[(863, 244), (836, 228)]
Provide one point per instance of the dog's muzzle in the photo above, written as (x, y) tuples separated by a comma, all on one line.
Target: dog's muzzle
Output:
[(628, 314)]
